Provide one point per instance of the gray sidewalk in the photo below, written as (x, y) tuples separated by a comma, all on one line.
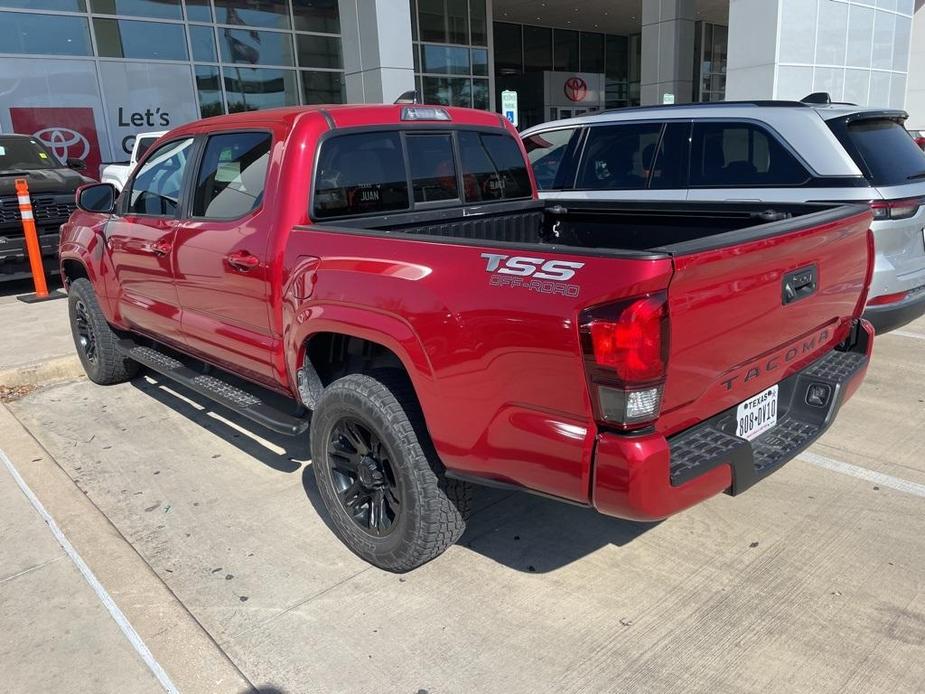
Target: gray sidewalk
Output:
[(55, 633)]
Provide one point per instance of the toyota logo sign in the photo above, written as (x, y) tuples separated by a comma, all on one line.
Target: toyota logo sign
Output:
[(64, 142), (576, 89)]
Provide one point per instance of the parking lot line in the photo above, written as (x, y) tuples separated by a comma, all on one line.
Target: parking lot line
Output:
[(143, 651), (863, 473), (906, 333)]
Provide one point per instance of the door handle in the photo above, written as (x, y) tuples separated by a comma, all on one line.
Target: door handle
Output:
[(242, 261), (161, 248)]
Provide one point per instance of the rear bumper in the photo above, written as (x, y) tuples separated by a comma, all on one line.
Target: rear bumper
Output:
[(14, 261), (894, 316), (649, 477)]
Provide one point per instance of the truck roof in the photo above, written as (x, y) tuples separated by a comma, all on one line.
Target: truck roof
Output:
[(339, 116)]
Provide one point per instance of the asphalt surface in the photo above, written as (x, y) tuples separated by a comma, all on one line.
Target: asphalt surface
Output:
[(812, 581)]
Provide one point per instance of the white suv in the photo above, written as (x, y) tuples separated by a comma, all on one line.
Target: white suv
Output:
[(775, 152)]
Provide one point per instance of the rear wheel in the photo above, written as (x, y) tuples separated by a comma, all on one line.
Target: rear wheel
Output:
[(379, 477), (94, 339)]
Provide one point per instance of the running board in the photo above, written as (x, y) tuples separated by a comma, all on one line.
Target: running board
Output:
[(236, 399)]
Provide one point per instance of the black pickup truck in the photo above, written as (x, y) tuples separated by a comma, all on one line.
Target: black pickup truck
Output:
[(51, 187)]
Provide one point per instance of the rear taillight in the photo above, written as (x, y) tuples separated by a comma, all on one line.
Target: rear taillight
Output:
[(625, 348), (895, 209)]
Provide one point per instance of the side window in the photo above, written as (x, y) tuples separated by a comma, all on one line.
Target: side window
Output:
[(232, 175), (433, 167), (493, 167), (156, 188), (741, 154), (144, 144), (619, 157), (670, 168), (545, 152), (360, 174)]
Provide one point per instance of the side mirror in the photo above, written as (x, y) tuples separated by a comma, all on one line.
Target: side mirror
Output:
[(97, 197), (76, 164)]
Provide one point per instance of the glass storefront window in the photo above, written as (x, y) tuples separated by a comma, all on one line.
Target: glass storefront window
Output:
[(202, 41), (615, 66), (478, 22), (209, 90), (272, 14), (444, 21), (198, 10), (480, 97), (322, 87), (592, 52), (565, 50), (249, 89), (22, 32), (263, 47), (537, 48), (446, 60), (319, 51), (448, 91), (480, 62), (57, 5), (316, 15), (123, 38), (508, 49), (160, 9)]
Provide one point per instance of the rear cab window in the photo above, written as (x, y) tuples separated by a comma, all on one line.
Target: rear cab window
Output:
[(366, 173), (883, 149)]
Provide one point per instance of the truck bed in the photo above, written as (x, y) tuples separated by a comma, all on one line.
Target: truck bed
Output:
[(633, 229)]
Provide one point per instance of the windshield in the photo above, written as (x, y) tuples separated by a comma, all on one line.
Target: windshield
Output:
[(884, 151), (23, 154)]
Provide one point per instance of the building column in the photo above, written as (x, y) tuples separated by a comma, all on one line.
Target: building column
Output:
[(378, 57), (667, 51), (856, 53)]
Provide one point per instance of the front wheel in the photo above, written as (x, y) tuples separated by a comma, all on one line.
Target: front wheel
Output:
[(379, 476), (94, 339)]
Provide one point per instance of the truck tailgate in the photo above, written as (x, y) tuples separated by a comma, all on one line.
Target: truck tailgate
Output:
[(746, 315)]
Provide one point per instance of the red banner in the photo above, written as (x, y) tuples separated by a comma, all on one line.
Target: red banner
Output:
[(67, 132)]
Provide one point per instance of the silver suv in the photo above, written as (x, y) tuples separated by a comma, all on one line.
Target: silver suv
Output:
[(774, 151)]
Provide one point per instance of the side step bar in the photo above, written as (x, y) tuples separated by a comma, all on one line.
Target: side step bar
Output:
[(234, 398)]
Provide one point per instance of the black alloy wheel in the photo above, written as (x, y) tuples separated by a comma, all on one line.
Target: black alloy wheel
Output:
[(364, 480), (86, 337)]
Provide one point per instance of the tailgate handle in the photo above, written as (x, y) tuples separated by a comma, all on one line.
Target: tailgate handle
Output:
[(799, 284)]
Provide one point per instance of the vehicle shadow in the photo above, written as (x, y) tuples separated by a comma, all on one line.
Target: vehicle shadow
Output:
[(284, 453), (522, 531)]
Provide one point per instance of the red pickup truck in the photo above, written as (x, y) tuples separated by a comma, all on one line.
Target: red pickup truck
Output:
[(389, 270)]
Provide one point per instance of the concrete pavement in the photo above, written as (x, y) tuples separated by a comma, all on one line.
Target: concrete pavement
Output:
[(55, 633), (813, 581)]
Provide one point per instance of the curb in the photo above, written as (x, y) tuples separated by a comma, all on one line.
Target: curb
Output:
[(56, 369)]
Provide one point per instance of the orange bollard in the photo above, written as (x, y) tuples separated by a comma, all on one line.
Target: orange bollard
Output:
[(32, 240)]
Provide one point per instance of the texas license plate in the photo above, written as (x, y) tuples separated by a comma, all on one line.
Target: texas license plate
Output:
[(756, 415)]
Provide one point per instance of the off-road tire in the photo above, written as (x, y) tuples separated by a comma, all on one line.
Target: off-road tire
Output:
[(103, 364), (433, 508)]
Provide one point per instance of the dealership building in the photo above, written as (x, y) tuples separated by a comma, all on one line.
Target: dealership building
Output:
[(86, 76)]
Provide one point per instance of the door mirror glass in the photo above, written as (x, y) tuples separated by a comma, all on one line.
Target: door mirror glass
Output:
[(97, 197), (76, 164)]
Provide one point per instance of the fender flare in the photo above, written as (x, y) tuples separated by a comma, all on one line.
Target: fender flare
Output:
[(386, 329)]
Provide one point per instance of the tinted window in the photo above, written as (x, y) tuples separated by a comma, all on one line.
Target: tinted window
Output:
[(122, 38), (433, 167), (360, 174), (144, 144), (670, 167), (884, 151), (156, 188), (493, 167), (545, 152), (740, 154), (232, 175), (619, 157)]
